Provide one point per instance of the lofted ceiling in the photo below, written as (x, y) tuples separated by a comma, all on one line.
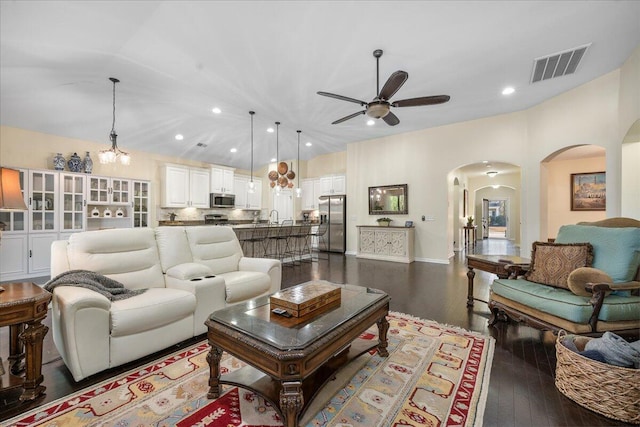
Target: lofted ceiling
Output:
[(178, 60)]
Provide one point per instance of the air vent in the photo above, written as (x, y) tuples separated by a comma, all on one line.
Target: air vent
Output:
[(201, 144), (558, 64)]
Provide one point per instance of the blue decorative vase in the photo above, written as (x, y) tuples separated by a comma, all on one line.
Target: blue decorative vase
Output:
[(75, 163), (59, 162), (88, 163)]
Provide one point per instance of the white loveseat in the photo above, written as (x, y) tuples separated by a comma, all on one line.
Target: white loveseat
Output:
[(189, 272)]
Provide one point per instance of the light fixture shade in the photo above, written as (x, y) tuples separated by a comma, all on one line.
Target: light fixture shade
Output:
[(251, 187), (10, 191)]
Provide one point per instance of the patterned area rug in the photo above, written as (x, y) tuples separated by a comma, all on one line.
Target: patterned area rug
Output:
[(435, 375)]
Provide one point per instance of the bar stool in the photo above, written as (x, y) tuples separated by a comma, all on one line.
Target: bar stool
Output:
[(282, 238), (318, 235), (300, 241), (259, 235)]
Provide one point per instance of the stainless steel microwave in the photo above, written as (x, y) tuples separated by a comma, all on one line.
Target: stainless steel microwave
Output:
[(222, 200)]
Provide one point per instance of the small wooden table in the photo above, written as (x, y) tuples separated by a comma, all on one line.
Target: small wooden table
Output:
[(470, 231), (23, 306), (493, 264), (290, 359)]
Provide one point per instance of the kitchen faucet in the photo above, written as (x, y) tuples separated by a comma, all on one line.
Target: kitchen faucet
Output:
[(272, 211)]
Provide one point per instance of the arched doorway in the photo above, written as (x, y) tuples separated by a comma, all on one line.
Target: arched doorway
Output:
[(556, 172), (491, 180)]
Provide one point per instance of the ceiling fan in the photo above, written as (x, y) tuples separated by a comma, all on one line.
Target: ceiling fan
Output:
[(380, 107)]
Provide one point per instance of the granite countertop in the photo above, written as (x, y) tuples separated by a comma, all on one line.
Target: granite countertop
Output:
[(231, 224)]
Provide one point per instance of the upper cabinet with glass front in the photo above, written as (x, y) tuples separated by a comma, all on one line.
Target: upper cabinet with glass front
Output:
[(72, 203), (141, 196), (108, 191), (13, 221), (43, 198)]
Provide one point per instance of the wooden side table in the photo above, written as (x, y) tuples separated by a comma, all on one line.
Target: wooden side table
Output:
[(23, 306), (492, 264), (470, 231)]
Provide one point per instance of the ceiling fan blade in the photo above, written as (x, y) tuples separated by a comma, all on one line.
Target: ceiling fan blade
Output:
[(350, 116), (394, 82), (343, 98), (425, 100), (391, 119)]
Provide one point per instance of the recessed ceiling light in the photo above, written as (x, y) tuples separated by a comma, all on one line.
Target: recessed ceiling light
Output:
[(270, 130), (485, 161), (495, 187), (233, 150), (216, 110), (508, 90), (371, 122), (308, 144), (179, 137), (273, 159), (492, 174), (489, 165)]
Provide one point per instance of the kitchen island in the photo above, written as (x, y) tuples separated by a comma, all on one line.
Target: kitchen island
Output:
[(267, 240)]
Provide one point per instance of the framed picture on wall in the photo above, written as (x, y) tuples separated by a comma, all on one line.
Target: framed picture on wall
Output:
[(588, 191), (465, 202)]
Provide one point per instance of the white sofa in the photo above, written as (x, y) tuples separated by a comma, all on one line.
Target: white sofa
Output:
[(189, 272)]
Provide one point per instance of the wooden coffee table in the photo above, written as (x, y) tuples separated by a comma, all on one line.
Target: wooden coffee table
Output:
[(290, 359), (493, 264)]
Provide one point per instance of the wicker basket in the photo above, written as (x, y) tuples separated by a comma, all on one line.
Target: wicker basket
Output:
[(606, 389)]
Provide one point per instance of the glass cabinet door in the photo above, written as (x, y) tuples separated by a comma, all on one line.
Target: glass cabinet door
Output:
[(140, 204), (120, 191), (72, 193), (42, 202), (15, 221), (98, 189)]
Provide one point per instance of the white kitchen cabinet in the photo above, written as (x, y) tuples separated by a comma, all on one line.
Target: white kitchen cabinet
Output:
[(240, 187), (13, 256), (141, 203), (103, 190), (43, 198), (334, 184), (72, 202), (184, 187), (244, 199), (311, 190), (40, 253), (386, 243), (222, 180)]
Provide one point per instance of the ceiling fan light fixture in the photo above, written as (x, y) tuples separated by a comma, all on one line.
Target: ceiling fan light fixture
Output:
[(377, 110)]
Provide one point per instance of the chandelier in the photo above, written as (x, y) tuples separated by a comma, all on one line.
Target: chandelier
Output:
[(113, 154)]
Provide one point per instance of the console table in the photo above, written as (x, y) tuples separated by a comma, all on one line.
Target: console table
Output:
[(386, 243), (23, 306)]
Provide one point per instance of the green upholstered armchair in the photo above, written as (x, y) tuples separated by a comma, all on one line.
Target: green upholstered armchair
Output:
[(586, 282)]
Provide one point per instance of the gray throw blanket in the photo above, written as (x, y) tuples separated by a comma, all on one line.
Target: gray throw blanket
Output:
[(110, 288), (616, 351)]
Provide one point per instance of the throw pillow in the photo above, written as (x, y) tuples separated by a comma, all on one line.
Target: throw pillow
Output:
[(616, 250), (551, 263), (583, 275)]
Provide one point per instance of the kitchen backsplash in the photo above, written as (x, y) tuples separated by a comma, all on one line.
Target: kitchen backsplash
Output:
[(191, 214)]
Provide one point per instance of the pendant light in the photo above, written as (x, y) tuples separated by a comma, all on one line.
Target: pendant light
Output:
[(111, 155), (251, 187), (298, 189), (278, 180)]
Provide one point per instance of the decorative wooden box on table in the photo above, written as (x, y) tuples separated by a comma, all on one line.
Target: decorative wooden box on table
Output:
[(301, 300)]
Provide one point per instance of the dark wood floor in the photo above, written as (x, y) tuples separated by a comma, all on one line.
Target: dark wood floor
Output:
[(522, 391)]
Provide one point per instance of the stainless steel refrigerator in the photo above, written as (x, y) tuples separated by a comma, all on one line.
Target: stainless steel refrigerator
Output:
[(333, 211)]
